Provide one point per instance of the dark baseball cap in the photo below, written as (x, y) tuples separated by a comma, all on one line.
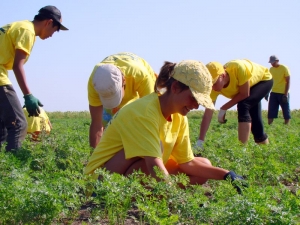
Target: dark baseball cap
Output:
[(273, 58), (52, 12)]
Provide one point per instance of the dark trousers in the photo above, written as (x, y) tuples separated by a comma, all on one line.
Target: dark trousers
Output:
[(249, 109), (13, 124), (275, 101)]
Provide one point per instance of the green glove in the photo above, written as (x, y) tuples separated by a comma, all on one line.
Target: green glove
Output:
[(32, 105)]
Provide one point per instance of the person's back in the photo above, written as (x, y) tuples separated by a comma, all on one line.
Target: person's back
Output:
[(114, 82), (241, 71), (37, 124)]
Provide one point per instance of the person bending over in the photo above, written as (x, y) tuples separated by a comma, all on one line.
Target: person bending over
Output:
[(115, 81), (245, 83)]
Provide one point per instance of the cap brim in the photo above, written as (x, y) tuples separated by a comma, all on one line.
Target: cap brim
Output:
[(203, 99), (215, 80), (62, 27), (112, 102)]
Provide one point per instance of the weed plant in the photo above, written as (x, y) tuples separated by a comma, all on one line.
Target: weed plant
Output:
[(43, 183)]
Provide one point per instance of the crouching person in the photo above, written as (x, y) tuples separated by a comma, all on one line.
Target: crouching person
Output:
[(37, 124)]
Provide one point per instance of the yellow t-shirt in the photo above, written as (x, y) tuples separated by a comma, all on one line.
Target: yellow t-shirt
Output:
[(17, 35), (40, 123), (240, 71), (140, 78), (279, 74), (138, 128)]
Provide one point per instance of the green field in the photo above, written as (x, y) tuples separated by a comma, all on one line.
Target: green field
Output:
[(43, 183)]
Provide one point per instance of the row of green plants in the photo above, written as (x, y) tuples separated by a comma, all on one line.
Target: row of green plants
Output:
[(43, 183)]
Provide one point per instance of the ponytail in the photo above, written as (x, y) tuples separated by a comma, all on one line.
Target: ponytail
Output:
[(164, 79)]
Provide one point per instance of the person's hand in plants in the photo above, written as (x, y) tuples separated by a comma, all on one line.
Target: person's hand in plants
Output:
[(32, 105), (237, 181)]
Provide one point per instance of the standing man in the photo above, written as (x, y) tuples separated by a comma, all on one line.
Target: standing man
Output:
[(114, 82), (16, 42), (280, 92)]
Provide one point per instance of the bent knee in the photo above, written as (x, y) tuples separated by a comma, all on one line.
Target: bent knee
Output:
[(205, 160)]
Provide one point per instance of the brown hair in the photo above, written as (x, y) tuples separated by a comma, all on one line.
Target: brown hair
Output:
[(165, 79)]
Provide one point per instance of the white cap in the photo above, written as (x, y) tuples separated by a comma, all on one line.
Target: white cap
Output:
[(107, 82)]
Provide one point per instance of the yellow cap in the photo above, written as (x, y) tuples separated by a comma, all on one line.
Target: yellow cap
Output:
[(195, 75), (215, 69)]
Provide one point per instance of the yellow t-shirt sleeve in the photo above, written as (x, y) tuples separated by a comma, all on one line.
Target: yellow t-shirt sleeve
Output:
[(24, 40), (287, 72), (93, 96)]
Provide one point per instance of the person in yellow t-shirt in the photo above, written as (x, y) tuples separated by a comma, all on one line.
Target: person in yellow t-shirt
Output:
[(37, 124), (114, 82), (153, 131), (245, 83), (16, 42), (280, 92)]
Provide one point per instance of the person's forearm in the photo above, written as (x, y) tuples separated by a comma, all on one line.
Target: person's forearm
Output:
[(198, 168), (18, 68), (50, 124), (96, 132), (237, 98), (152, 162), (287, 88), (21, 79), (205, 123), (203, 129)]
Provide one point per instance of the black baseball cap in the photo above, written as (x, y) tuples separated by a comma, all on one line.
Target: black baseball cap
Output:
[(52, 12)]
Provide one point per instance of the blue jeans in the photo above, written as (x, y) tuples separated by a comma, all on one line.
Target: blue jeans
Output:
[(275, 101), (13, 124)]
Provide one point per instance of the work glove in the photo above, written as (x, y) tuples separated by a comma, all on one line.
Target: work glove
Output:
[(237, 181), (284, 99), (221, 116), (32, 105), (200, 144)]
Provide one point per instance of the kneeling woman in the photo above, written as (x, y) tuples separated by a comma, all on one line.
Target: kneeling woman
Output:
[(153, 131)]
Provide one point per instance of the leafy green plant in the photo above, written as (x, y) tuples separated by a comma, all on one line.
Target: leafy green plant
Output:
[(43, 182)]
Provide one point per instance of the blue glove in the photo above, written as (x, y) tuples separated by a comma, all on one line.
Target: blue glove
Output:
[(236, 181), (32, 105)]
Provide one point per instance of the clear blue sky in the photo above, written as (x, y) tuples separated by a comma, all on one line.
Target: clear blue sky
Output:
[(158, 30)]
